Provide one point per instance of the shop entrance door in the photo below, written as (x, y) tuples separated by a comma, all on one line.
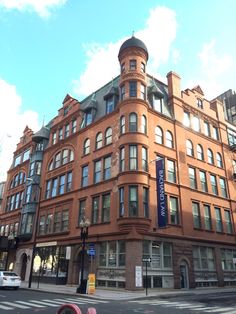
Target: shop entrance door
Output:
[(184, 280)]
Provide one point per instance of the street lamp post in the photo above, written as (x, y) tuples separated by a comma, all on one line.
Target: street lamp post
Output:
[(84, 225)]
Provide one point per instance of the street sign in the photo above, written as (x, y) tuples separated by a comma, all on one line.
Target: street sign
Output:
[(91, 251), (147, 260)]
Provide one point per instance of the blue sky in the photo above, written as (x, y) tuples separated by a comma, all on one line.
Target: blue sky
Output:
[(49, 48)]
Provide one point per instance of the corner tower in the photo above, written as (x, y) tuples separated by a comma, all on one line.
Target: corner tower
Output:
[(133, 57)]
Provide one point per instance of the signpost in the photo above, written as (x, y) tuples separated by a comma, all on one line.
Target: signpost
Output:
[(146, 261)]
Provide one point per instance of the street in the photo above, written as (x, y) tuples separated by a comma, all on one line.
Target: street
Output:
[(26, 301)]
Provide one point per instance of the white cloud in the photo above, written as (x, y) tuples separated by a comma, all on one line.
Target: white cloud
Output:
[(214, 67), (102, 62), (12, 124), (41, 7)]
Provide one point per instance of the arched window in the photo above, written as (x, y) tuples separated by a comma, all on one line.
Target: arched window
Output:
[(189, 148), (61, 158), (219, 160), (144, 124), (133, 122), (99, 140), (210, 156), (108, 136), (18, 179), (122, 124), (200, 154), (169, 139), (159, 135), (87, 146)]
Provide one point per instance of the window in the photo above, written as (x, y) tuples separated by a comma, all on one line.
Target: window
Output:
[(87, 146), (54, 138), (106, 208), (26, 155), (213, 184), (207, 217), (215, 133), (169, 139), (133, 201), (203, 181), (158, 135), (200, 154), (107, 168), (157, 103), (95, 210), (228, 222), (57, 222), (199, 103), (99, 140), (109, 104), (133, 122), (69, 182), (132, 89), (143, 67), (88, 118), (122, 159), (67, 130), (82, 205), (144, 159), (203, 258), (97, 171), (219, 224), (121, 202), (64, 157), (231, 137), (84, 181), (122, 92), (174, 211), (73, 126), (61, 158), (60, 133), (61, 189), (196, 215), (108, 136), (133, 157), (122, 67), (132, 64), (189, 148), (207, 131), (142, 91), (171, 174), (210, 156), (186, 121), (17, 160), (65, 220), (144, 124), (223, 189), (219, 161), (192, 178), (54, 187), (227, 256), (196, 124), (145, 202), (112, 254), (122, 125)]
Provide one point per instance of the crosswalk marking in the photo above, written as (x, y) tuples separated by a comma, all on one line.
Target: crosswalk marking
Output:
[(69, 301), (3, 307), (43, 303), (16, 305), (224, 309), (54, 301), (87, 300), (31, 304)]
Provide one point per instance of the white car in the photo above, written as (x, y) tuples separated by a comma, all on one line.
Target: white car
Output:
[(9, 279)]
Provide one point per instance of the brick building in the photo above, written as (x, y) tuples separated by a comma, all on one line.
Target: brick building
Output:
[(97, 160)]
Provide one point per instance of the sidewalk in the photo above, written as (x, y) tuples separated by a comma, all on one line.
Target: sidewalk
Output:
[(108, 294)]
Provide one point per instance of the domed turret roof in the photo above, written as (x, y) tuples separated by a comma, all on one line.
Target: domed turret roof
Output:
[(43, 133), (133, 42)]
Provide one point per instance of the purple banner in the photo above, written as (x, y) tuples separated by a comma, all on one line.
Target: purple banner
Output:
[(161, 200)]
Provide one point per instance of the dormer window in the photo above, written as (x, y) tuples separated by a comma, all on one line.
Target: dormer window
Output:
[(132, 89), (157, 103), (199, 103), (110, 104), (87, 119), (66, 110), (132, 65)]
